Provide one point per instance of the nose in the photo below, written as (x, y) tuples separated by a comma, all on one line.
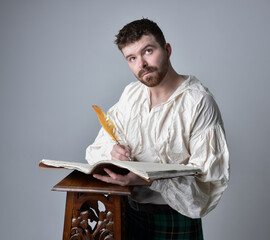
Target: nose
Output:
[(143, 63)]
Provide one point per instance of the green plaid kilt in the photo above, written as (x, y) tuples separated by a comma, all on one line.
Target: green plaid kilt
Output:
[(161, 226)]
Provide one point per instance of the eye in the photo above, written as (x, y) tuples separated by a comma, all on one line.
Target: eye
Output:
[(148, 51), (131, 59)]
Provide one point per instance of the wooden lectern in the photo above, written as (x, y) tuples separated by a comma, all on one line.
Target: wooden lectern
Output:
[(94, 209)]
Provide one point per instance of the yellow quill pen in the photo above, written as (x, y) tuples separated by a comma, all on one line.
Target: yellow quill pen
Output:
[(107, 124)]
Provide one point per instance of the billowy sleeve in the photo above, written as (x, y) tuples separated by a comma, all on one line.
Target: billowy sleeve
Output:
[(100, 149), (195, 196)]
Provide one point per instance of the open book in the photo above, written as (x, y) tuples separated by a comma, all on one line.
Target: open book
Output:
[(146, 170)]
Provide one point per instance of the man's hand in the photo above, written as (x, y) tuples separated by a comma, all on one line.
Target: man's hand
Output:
[(130, 179), (120, 152)]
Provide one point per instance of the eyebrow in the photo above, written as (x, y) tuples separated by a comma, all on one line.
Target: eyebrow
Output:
[(147, 46)]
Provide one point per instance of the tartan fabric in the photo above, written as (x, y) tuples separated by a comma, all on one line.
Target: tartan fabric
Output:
[(169, 225)]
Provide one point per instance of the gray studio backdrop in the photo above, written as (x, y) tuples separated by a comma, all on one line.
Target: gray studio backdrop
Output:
[(57, 58)]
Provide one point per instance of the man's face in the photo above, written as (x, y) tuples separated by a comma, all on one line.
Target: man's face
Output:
[(147, 60)]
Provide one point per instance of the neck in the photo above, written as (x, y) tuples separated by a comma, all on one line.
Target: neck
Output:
[(166, 88)]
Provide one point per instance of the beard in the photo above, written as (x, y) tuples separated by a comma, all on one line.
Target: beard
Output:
[(155, 78)]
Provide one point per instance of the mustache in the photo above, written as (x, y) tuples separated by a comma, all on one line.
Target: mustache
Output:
[(146, 70)]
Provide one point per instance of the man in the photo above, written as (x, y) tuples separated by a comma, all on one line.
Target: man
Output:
[(164, 117)]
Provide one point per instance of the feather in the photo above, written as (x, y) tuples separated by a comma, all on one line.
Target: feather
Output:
[(106, 123)]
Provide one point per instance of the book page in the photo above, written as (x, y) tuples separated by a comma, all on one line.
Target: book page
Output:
[(145, 170)]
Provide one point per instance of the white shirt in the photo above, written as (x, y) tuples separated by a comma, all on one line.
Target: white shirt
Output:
[(186, 129)]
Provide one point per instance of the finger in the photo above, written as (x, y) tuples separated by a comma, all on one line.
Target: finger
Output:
[(128, 151), (104, 178), (117, 156), (120, 149), (119, 179), (128, 148), (115, 176), (120, 153), (111, 178)]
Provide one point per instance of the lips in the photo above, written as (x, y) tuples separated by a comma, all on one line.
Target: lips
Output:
[(146, 71), (145, 74)]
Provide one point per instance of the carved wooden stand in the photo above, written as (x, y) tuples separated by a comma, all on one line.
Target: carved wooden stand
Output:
[(94, 210)]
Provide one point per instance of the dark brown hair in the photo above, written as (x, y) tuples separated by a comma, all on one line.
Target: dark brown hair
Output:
[(133, 31)]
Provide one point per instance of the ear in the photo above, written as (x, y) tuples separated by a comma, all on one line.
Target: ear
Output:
[(168, 49)]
